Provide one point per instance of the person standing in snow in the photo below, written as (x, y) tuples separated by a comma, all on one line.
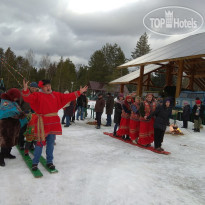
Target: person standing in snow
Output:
[(12, 118), (198, 112), (162, 115), (99, 107), (46, 105), (81, 105), (69, 113), (146, 132), (186, 114), (118, 112), (29, 132), (134, 120), (109, 108), (125, 118)]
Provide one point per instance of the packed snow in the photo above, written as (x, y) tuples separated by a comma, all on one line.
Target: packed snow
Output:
[(95, 169)]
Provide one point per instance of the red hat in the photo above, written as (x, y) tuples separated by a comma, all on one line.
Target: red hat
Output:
[(198, 102), (11, 94)]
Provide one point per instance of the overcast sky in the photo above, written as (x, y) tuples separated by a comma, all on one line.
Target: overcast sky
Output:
[(77, 28)]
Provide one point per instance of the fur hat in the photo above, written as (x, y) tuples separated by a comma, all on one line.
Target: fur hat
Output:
[(11, 94), (120, 95)]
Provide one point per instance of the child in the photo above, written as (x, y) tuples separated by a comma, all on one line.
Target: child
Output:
[(186, 114), (198, 111)]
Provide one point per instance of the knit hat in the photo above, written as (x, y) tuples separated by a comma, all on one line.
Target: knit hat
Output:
[(41, 83), (11, 94), (66, 92), (198, 102), (121, 95), (167, 100), (34, 85)]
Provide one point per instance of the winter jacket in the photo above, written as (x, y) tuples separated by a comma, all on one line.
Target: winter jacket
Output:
[(162, 114), (201, 112), (118, 112), (109, 105), (69, 110), (186, 113), (100, 104), (82, 101)]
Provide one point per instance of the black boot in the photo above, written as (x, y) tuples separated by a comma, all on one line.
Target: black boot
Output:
[(51, 166), (114, 134), (32, 146), (34, 167), (2, 163), (6, 153)]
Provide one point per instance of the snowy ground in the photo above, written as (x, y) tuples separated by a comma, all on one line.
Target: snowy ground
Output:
[(95, 169)]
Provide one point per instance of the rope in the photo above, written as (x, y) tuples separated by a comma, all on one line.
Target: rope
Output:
[(5, 63), (14, 77)]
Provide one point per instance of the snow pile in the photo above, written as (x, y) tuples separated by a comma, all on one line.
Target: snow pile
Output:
[(95, 169)]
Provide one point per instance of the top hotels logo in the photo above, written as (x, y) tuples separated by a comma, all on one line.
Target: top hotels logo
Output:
[(173, 20)]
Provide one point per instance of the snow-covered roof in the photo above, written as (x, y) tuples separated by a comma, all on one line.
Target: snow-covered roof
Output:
[(134, 75), (187, 48)]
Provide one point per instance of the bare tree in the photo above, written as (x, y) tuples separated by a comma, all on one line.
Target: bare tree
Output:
[(45, 63), (30, 56)]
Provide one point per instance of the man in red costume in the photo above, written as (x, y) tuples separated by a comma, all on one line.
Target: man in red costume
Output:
[(46, 105)]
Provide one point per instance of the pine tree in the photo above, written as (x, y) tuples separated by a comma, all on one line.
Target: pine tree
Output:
[(142, 47), (103, 63)]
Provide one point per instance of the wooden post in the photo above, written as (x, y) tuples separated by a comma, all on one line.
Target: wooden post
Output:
[(140, 81), (169, 71), (179, 78), (148, 81), (122, 88), (191, 80)]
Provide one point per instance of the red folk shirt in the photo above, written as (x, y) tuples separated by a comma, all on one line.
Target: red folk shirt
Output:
[(44, 104)]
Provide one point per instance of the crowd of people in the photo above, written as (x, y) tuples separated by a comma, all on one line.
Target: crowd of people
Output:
[(144, 120), (33, 114), (30, 118)]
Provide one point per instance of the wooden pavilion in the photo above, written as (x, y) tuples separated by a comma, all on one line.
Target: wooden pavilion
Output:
[(183, 58)]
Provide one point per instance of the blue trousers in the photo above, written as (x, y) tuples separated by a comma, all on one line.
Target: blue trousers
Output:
[(50, 139), (80, 112), (115, 127), (109, 120), (67, 120)]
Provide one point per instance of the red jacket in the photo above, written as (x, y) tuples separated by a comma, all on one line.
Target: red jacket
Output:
[(43, 104)]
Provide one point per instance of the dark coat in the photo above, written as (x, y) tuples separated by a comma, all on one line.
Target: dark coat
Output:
[(186, 113), (118, 112), (68, 111), (201, 112), (82, 101), (9, 132), (162, 114), (109, 105), (100, 104)]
